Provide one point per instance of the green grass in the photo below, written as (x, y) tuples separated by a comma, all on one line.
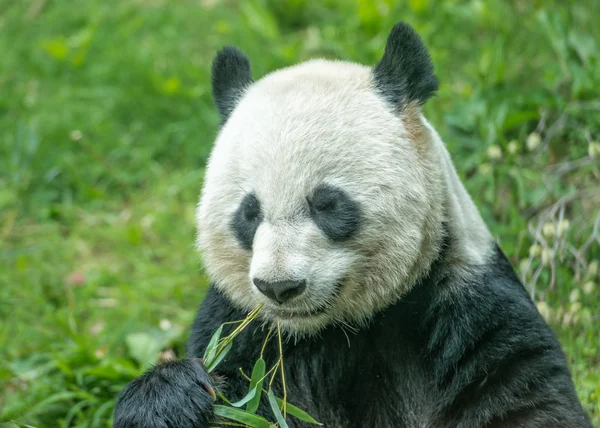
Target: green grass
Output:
[(106, 122)]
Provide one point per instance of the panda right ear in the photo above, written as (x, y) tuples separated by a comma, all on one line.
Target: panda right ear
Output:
[(405, 73), (230, 77)]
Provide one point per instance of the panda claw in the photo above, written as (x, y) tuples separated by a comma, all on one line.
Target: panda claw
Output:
[(206, 387), (210, 391)]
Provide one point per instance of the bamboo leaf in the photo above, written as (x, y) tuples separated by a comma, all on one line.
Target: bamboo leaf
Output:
[(251, 394), (210, 366), (213, 342), (222, 397), (241, 416), (256, 382), (296, 412), (275, 407)]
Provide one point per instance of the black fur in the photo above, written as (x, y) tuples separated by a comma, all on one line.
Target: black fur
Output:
[(230, 77), (246, 220), (172, 395), (452, 353), (336, 214), (405, 73)]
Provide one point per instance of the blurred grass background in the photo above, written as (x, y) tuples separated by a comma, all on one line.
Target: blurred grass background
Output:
[(106, 121)]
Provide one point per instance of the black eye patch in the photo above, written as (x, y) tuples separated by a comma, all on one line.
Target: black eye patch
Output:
[(334, 212), (246, 220)]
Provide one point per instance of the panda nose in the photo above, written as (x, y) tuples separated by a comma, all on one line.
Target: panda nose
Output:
[(280, 291)]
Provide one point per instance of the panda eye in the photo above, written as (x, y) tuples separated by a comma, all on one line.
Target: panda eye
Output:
[(246, 220), (250, 208), (334, 212), (324, 200), (325, 205)]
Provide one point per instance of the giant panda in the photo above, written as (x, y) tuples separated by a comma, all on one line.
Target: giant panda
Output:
[(330, 200)]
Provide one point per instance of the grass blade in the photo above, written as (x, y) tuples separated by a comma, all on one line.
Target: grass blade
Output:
[(241, 416), (275, 407), (98, 420), (256, 382), (20, 425)]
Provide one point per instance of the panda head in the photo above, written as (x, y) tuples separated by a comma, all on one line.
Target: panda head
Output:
[(321, 198)]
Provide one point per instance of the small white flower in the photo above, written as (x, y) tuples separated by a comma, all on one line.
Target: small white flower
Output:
[(594, 149), (76, 135), (548, 230), (575, 308), (533, 141), (535, 250), (494, 152), (588, 287), (547, 256), (165, 324), (544, 310), (562, 227), (513, 147), (485, 168), (574, 295)]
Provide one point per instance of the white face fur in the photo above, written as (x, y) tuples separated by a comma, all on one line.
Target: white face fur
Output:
[(320, 124)]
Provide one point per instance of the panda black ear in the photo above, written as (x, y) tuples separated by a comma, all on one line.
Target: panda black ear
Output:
[(405, 73), (230, 77)]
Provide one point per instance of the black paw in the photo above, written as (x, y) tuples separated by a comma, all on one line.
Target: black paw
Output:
[(177, 394)]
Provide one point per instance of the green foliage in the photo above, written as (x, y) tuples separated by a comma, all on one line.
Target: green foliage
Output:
[(276, 410), (215, 352), (106, 122), (248, 419), (256, 383)]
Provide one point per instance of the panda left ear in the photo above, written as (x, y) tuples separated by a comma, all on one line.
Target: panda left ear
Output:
[(230, 77), (405, 73)]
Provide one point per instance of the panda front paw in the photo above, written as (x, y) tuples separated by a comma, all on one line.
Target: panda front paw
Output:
[(174, 394)]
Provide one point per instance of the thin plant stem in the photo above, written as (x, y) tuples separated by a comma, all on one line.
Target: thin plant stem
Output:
[(262, 351), (284, 399)]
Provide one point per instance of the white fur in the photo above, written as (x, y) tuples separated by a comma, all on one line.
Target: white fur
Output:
[(323, 122)]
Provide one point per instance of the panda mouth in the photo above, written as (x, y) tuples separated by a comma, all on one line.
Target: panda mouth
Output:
[(301, 314), (289, 314)]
